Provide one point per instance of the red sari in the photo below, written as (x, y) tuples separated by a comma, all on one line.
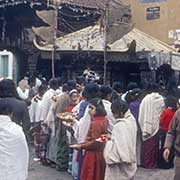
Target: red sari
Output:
[(94, 164)]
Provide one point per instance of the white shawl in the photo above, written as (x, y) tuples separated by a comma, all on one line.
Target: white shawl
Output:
[(150, 110), (49, 120), (83, 127), (122, 146), (14, 154), (109, 116), (47, 102)]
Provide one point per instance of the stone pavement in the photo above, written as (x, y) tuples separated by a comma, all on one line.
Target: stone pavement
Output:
[(39, 172), (155, 174)]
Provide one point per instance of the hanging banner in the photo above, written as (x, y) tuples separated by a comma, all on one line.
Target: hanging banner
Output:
[(175, 62), (152, 1), (157, 59), (152, 13)]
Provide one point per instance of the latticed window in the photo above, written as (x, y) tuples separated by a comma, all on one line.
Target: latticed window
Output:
[(6, 64)]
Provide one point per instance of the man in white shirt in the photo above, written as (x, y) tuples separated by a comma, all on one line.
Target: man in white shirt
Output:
[(14, 154)]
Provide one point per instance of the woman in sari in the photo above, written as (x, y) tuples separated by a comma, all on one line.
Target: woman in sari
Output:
[(93, 164)]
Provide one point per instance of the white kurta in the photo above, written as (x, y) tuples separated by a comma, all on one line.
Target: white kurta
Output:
[(22, 94), (120, 151), (14, 154), (35, 109), (109, 116), (50, 121), (150, 111), (47, 102)]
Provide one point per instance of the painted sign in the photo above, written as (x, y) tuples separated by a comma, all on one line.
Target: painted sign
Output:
[(152, 13), (152, 1), (171, 34)]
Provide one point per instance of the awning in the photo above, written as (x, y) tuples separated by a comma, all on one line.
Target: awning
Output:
[(118, 57), (84, 3)]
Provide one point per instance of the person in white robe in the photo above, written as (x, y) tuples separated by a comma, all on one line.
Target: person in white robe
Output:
[(46, 116), (120, 150), (34, 113), (23, 89), (35, 107), (49, 98), (14, 154), (150, 111)]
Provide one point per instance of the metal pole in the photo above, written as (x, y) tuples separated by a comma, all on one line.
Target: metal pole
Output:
[(105, 64), (52, 62), (54, 38), (105, 42)]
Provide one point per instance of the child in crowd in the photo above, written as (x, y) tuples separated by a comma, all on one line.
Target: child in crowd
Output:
[(93, 164), (120, 151), (74, 95)]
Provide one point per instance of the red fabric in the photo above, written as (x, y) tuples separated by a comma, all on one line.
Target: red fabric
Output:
[(98, 118), (69, 108), (93, 166), (166, 118), (149, 156)]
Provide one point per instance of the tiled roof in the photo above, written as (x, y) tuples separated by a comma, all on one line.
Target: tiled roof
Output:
[(91, 39), (85, 3)]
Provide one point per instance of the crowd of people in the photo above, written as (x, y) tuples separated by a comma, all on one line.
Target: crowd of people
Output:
[(93, 131)]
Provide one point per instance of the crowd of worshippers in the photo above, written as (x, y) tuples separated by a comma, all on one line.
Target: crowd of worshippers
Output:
[(93, 131)]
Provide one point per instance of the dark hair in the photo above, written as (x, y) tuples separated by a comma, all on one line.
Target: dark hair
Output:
[(100, 110), (5, 107), (131, 86), (117, 86), (152, 87), (80, 80), (115, 96), (133, 95), (171, 101), (64, 87), (42, 89), (91, 90), (119, 106), (7, 88), (53, 83), (59, 81), (105, 90), (71, 84), (32, 81)]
